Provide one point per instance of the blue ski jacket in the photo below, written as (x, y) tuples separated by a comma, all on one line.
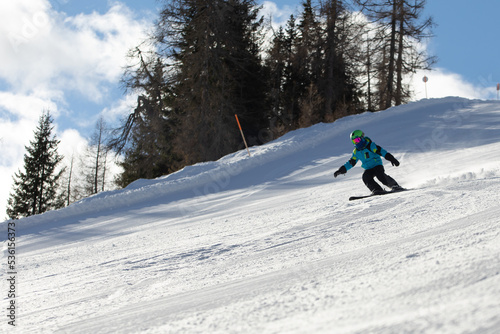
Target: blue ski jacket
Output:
[(369, 156)]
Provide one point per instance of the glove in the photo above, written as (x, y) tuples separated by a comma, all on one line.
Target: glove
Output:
[(342, 170), (393, 160)]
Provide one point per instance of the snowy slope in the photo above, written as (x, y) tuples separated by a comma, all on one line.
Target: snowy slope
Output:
[(270, 243)]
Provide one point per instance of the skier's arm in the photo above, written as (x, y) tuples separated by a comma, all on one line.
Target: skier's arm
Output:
[(380, 151), (393, 160), (341, 170), (377, 149), (351, 163), (348, 165)]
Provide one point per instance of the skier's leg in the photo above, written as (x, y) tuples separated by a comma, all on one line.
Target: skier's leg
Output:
[(368, 179), (384, 178)]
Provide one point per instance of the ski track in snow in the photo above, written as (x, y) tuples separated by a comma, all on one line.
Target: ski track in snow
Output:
[(271, 244)]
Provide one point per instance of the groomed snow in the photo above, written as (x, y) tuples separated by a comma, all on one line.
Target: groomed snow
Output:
[(271, 244)]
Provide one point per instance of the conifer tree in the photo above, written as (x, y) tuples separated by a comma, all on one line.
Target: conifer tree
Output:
[(284, 79), (278, 64), (213, 46), (317, 59), (337, 82), (309, 58), (146, 138), (36, 189)]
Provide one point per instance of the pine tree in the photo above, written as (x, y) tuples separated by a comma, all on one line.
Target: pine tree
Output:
[(317, 59), (146, 138), (213, 46), (36, 190), (309, 60), (294, 62), (284, 82), (337, 83)]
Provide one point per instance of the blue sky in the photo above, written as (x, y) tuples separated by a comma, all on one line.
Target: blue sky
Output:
[(466, 38), (67, 56)]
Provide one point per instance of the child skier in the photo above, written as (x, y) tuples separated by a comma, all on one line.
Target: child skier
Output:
[(369, 154)]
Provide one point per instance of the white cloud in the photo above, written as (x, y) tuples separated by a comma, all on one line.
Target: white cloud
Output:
[(72, 143), (279, 15), (120, 108), (48, 56), (26, 106), (44, 49), (442, 83)]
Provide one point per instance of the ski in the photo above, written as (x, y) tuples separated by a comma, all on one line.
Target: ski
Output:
[(353, 198)]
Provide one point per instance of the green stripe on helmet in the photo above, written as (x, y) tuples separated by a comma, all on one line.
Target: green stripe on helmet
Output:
[(357, 134)]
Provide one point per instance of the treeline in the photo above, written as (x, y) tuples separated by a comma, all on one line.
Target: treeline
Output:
[(208, 60), (212, 60)]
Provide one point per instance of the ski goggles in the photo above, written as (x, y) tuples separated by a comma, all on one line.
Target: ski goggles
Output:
[(357, 140)]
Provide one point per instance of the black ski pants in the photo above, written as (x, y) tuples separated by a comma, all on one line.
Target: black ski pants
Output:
[(378, 172)]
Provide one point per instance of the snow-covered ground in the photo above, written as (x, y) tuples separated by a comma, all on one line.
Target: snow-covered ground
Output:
[(271, 244)]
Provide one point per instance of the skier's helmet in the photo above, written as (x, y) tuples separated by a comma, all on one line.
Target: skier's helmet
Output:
[(357, 136)]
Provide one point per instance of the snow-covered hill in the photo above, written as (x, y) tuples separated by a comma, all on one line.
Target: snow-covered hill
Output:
[(270, 243)]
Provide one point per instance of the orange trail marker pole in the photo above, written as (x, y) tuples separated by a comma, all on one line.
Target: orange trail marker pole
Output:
[(242, 135)]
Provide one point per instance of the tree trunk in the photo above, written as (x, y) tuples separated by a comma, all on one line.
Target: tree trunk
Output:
[(399, 63), (392, 54)]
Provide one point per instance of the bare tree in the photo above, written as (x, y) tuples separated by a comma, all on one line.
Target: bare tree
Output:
[(400, 30), (95, 160)]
